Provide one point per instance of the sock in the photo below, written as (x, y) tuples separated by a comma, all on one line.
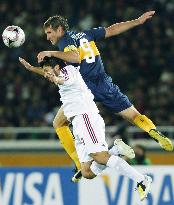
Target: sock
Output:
[(124, 168), (144, 123), (66, 139), (96, 168), (113, 150)]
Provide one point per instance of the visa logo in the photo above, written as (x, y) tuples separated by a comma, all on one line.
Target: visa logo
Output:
[(37, 186)]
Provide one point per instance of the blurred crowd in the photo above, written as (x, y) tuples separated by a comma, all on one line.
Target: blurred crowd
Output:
[(140, 61)]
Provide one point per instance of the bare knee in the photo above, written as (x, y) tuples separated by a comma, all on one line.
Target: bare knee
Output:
[(60, 119), (57, 123), (101, 157), (86, 171), (88, 174)]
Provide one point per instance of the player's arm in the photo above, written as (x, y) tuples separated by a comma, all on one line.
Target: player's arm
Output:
[(118, 28), (29, 67), (72, 56)]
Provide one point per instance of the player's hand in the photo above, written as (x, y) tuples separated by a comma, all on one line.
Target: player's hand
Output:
[(42, 55), (143, 18), (25, 64)]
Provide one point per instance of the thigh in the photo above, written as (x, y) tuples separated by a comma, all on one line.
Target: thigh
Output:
[(60, 119), (81, 148)]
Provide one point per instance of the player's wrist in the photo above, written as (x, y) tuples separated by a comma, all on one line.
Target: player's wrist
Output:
[(31, 68), (136, 22)]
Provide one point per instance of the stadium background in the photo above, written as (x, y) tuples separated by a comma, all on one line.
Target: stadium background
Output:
[(140, 61)]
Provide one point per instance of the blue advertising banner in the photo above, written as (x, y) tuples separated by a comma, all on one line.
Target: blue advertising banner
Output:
[(37, 186), (52, 186)]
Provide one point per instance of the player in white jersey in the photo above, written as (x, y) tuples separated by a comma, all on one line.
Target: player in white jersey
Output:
[(89, 126), (75, 96)]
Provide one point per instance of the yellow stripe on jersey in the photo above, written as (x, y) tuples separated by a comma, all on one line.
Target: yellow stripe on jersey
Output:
[(70, 48), (88, 50)]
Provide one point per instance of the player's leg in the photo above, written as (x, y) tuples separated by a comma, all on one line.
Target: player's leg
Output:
[(119, 148), (121, 166), (90, 143), (89, 132), (88, 137), (61, 127), (86, 171), (102, 160), (111, 96), (132, 115)]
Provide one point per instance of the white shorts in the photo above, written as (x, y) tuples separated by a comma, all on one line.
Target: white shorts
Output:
[(89, 133)]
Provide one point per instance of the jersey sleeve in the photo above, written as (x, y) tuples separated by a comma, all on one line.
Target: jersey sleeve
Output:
[(96, 33), (67, 44)]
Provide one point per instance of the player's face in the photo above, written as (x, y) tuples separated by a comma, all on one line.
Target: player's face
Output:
[(57, 69), (53, 35), (47, 69)]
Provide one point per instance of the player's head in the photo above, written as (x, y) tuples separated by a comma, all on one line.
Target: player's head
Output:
[(52, 63), (55, 27)]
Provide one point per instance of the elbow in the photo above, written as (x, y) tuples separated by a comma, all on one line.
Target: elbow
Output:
[(78, 60), (109, 32)]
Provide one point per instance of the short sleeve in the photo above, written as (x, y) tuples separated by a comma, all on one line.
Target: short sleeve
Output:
[(96, 33)]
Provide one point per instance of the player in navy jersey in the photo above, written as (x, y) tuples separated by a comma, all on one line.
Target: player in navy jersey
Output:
[(80, 48)]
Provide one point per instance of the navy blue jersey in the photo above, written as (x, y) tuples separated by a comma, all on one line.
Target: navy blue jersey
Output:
[(91, 64), (92, 69)]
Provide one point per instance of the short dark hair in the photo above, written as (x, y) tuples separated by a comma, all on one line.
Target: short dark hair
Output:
[(52, 61), (56, 21)]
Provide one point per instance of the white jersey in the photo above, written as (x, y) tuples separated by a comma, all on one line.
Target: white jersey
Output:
[(76, 97)]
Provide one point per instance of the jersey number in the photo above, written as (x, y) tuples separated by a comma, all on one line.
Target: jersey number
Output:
[(89, 53)]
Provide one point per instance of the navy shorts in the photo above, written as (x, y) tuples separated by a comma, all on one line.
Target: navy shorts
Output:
[(109, 94)]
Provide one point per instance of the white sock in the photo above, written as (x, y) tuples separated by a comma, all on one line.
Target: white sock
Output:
[(114, 151), (96, 168), (124, 168)]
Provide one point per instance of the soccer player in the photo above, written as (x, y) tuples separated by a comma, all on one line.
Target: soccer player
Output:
[(88, 126), (80, 48)]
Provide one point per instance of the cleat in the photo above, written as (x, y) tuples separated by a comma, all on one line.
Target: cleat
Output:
[(143, 187), (77, 176), (124, 149), (164, 142)]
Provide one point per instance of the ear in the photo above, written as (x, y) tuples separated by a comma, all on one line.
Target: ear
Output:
[(57, 67), (60, 30)]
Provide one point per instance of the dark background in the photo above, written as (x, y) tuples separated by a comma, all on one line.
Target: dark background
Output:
[(140, 61)]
